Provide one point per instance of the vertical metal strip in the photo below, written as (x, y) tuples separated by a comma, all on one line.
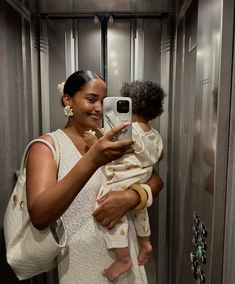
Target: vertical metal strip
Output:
[(104, 27), (34, 42), (162, 261), (44, 72), (229, 244), (139, 50), (76, 38), (24, 78), (132, 37), (69, 48), (222, 147)]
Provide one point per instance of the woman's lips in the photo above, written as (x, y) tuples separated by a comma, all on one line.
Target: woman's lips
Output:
[(96, 116)]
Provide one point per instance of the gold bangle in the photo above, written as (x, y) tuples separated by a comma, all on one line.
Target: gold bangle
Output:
[(143, 196), (149, 193)]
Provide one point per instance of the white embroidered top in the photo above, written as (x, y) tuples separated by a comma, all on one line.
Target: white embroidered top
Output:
[(86, 256)]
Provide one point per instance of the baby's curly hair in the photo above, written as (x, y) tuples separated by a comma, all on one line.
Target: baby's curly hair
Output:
[(147, 98)]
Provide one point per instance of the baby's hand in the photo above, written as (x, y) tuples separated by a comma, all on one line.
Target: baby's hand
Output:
[(90, 137)]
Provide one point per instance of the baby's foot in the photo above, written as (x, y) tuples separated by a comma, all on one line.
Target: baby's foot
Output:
[(90, 138), (145, 251), (117, 268)]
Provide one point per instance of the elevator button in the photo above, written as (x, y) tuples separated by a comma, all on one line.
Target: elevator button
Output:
[(202, 242), (203, 229), (202, 277), (194, 241), (195, 231), (204, 245), (193, 269), (195, 215), (203, 259), (192, 257)]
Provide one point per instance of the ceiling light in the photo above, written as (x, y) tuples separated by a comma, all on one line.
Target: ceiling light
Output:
[(111, 20), (96, 19)]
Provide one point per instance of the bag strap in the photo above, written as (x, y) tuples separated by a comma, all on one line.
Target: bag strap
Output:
[(25, 155), (57, 147)]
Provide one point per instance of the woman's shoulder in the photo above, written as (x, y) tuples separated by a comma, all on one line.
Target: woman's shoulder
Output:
[(48, 137)]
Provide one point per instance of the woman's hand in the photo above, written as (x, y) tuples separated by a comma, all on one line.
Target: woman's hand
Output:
[(106, 149), (114, 205)]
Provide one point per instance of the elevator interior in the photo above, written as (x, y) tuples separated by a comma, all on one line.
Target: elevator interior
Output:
[(186, 46)]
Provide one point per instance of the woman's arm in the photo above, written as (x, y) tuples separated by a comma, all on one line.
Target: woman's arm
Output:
[(156, 183), (115, 204), (48, 199)]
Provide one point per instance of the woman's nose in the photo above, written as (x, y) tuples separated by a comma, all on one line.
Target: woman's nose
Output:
[(98, 107)]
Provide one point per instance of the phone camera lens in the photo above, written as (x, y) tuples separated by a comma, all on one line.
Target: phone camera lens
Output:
[(123, 106)]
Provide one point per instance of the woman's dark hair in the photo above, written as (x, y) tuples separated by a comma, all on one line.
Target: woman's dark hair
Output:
[(77, 81), (147, 98)]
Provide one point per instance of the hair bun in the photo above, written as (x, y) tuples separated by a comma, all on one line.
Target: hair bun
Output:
[(60, 88)]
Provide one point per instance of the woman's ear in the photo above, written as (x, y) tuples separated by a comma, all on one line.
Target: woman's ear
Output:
[(66, 99)]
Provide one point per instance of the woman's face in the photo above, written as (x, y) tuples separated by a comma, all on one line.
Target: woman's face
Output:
[(87, 104)]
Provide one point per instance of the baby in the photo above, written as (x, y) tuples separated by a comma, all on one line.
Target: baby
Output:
[(133, 170)]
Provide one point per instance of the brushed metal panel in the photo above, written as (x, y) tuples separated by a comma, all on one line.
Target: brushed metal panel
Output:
[(229, 243), (89, 45), (104, 5), (163, 127), (118, 38), (44, 76), (72, 45), (174, 197), (15, 114), (57, 70), (15, 106), (205, 121), (186, 145), (152, 49), (222, 168), (199, 155)]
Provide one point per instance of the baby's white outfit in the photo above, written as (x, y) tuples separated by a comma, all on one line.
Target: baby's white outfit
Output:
[(128, 170)]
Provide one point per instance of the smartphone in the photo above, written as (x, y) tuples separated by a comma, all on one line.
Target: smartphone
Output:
[(115, 111)]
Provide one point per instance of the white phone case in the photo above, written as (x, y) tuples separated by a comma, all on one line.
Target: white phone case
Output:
[(115, 111)]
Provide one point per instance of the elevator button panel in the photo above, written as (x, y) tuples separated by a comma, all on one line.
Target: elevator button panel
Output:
[(198, 255)]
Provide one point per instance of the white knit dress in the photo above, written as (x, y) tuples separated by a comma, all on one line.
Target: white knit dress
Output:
[(86, 255)]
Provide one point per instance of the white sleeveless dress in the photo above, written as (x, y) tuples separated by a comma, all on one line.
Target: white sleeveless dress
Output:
[(86, 256)]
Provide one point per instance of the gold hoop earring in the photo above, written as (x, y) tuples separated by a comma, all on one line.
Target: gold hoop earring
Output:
[(68, 111)]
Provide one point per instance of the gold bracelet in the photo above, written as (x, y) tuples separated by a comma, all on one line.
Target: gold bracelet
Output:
[(149, 193), (143, 196)]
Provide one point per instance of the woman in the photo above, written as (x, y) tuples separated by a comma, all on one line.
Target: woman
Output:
[(51, 194)]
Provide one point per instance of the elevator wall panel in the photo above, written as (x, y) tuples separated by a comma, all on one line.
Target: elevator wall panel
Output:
[(57, 70), (199, 141), (16, 106), (186, 140), (16, 109), (119, 63), (175, 155), (104, 5), (72, 45), (152, 50), (229, 247), (89, 46)]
